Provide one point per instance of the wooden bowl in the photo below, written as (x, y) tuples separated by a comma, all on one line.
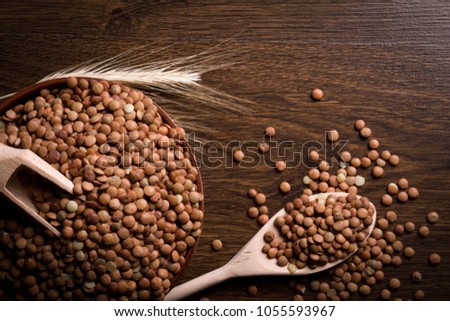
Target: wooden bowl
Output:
[(33, 91)]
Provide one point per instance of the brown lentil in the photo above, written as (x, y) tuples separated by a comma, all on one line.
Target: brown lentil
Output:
[(410, 227), (392, 189), (391, 216), (252, 290), (386, 199), (377, 171), (394, 283), (416, 276), (403, 183), (333, 135), (317, 94), (260, 199), (402, 197), (253, 212), (374, 143), (269, 131), (238, 155), (413, 193), (216, 245), (424, 231), (419, 295), (359, 124), (365, 132), (252, 193), (263, 147), (432, 217), (408, 252), (434, 259), (394, 160), (280, 166), (385, 294), (285, 187)]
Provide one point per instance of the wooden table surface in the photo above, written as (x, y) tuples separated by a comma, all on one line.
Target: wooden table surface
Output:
[(386, 63)]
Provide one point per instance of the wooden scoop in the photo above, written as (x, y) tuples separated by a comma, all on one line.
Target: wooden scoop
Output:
[(11, 160), (251, 261)]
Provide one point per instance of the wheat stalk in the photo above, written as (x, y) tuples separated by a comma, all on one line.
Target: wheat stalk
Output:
[(176, 76), (136, 67)]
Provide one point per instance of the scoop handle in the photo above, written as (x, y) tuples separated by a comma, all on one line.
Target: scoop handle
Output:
[(200, 283)]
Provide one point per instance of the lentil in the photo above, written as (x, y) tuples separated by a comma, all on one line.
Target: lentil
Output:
[(260, 199), (416, 276), (252, 193), (269, 131), (359, 124), (216, 245), (419, 295), (424, 231), (263, 147), (408, 252), (280, 166), (394, 283), (374, 143), (333, 135), (252, 290), (432, 217), (392, 189), (317, 94), (394, 160), (402, 197), (386, 199), (410, 227), (365, 132), (285, 187), (434, 259), (413, 193), (238, 155), (385, 294)]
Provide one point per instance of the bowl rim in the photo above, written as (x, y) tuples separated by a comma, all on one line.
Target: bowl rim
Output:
[(33, 90)]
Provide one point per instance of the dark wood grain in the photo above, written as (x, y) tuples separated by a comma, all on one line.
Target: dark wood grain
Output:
[(386, 63)]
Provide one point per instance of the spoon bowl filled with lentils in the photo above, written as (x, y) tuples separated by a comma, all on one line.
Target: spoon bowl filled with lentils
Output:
[(135, 216)]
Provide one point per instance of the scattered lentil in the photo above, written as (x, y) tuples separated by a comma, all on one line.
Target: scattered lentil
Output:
[(365, 132), (280, 165), (432, 217), (238, 155), (424, 231), (360, 124), (416, 276), (252, 290), (317, 94), (386, 199), (216, 245), (413, 193), (333, 135), (434, 259), (419, 295), (285, 187), (410, 227), (260, 198), (394, 283), (374, 143), (269, 131)]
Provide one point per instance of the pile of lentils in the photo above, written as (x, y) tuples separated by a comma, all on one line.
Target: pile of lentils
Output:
[(319, 232), (357, 275), (135, 214)]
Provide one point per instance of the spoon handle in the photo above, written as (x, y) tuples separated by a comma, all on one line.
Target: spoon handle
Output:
[(202, 282)]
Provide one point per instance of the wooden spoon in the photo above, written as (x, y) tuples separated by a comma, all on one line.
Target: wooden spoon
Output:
[(11, 161), (251, 261)]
